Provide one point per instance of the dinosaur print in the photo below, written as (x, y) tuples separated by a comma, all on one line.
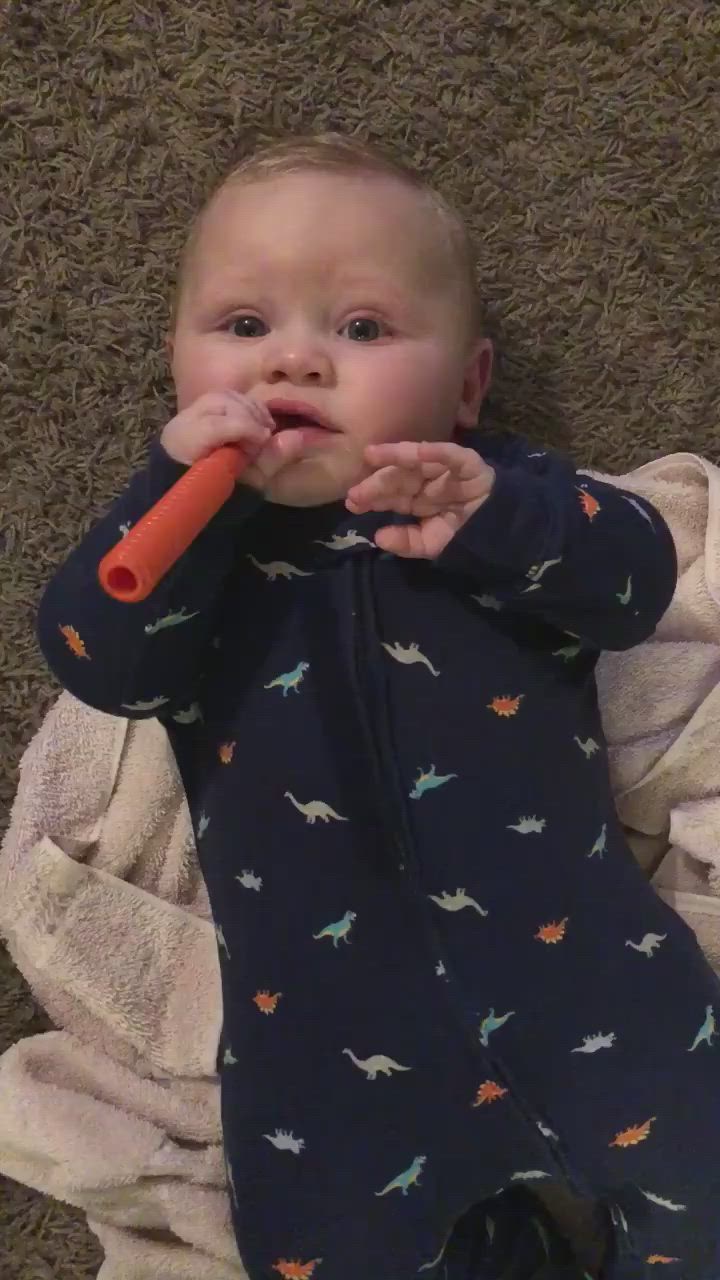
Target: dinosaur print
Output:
[(506, 706), (456, 901), (552, 932), (427, 779), (618, 1218), (189, 716), (315, 809), (645, 514), (340, 929), (707, 1031), (536, 571), (527, 825), (600, 844), (591, 1044), (279, 569), (342, 541), (664, 1204), (488, 602), (229, 1059), (529, 1175), (221, 940), (625, 596), (534, 586), (409, 1178), (632, 1136), (226, 751), (290, 680), (440, 969), (284, 1141), (75, 644), (151, 704), (294, 1270), (649, 944), (124, 529), (547, 1133), (376, 1063), (203, 825), (588, 747), (567, 652), (265, 1002), (489, 1091), (544, 1238), (170, 620), (430, 1266), (408, 654), (491, 1023), (589, 503), (249, 880)]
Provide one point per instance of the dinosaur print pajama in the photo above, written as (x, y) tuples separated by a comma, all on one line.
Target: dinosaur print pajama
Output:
[(445, 979)]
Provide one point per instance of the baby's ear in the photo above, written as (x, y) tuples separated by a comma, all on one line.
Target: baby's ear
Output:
[(476, 382)]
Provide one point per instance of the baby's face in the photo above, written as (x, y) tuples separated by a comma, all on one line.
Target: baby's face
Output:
[(333, 291)]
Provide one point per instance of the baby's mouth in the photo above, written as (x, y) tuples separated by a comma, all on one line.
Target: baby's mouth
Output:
[(289, 417)]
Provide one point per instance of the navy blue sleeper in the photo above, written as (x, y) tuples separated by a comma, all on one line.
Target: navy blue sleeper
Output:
[(445, 979)]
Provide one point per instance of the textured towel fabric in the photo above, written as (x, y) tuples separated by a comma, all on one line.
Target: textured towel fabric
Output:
[(100, 817)]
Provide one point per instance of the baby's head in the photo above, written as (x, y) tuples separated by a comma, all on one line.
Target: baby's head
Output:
[(322, 270)]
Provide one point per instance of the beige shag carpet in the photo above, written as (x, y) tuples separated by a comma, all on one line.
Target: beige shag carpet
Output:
[(582, 140)]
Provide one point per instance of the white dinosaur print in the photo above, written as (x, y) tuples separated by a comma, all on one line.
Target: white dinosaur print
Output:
[(189, 716), (589, 746), (536, 571), (377, 1062), (203, 825), (547, 1133), (315, 809), (526, 825), (534, 586), (150, 705), (591, 1044), (488, 602), (649, 944), (430, 1266), (408, 654), (279, 569), (456, 901), (221, 940), (284, 1141), (645, 515), (618, 1217), (249, 880), (124, 529), (567, 652), (664, 1204), (229, 1059), (600, 844), (440, 969), (341, 541), (529, 1175), (625, 596)]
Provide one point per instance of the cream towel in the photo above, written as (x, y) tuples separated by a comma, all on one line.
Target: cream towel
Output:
[(106, 915)]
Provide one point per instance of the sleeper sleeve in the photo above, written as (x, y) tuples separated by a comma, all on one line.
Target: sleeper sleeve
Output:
[(143, 659), (550, 542)]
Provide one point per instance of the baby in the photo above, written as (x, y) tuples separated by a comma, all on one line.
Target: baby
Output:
[(445, 980)]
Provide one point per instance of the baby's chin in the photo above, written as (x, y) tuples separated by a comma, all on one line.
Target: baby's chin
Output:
[(314, 481)]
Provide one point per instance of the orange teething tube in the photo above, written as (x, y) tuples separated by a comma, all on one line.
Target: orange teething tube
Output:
[(135, 565)]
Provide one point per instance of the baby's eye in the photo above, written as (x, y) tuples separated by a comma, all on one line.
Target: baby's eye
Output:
[(242, 325), (361, 324)]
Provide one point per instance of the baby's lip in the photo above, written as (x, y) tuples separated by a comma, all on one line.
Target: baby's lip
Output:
[(282, 409)]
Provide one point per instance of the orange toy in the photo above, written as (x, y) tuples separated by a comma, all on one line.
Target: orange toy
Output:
[(135, 565)]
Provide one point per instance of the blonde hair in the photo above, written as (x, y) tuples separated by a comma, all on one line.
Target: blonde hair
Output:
[(333, 152)]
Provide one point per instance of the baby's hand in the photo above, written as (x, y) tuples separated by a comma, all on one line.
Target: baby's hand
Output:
[(439, 482), (227, 417)]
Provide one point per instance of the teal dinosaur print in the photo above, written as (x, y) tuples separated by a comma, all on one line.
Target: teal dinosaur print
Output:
[(340, 929), (426, 780), (290, 680), (707, 1031), (491, 1023), (170, 620), (625, 596), (411, 1177)]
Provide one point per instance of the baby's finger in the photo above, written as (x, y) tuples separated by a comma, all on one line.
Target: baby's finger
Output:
[(389, 483)]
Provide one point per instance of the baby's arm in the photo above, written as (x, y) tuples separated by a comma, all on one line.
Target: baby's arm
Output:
[(586, 556)]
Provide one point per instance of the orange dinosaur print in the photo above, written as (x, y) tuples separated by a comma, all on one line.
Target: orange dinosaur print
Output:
[(265, 1002), (225, 752), (296, 1270), (552, 932), (659, 1257), (505, 706), (74, 643), (589, 504), (489, 1092), (630, 1137)]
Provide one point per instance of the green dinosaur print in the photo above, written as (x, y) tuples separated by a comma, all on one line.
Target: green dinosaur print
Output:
[(408, 654), (426, 780), (151, 705), (189, 716), (290, 680), (411, 1177), (340, 929), (625, 596), (170, 620), (279, 569), (491, 1023), (707, 1031)]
